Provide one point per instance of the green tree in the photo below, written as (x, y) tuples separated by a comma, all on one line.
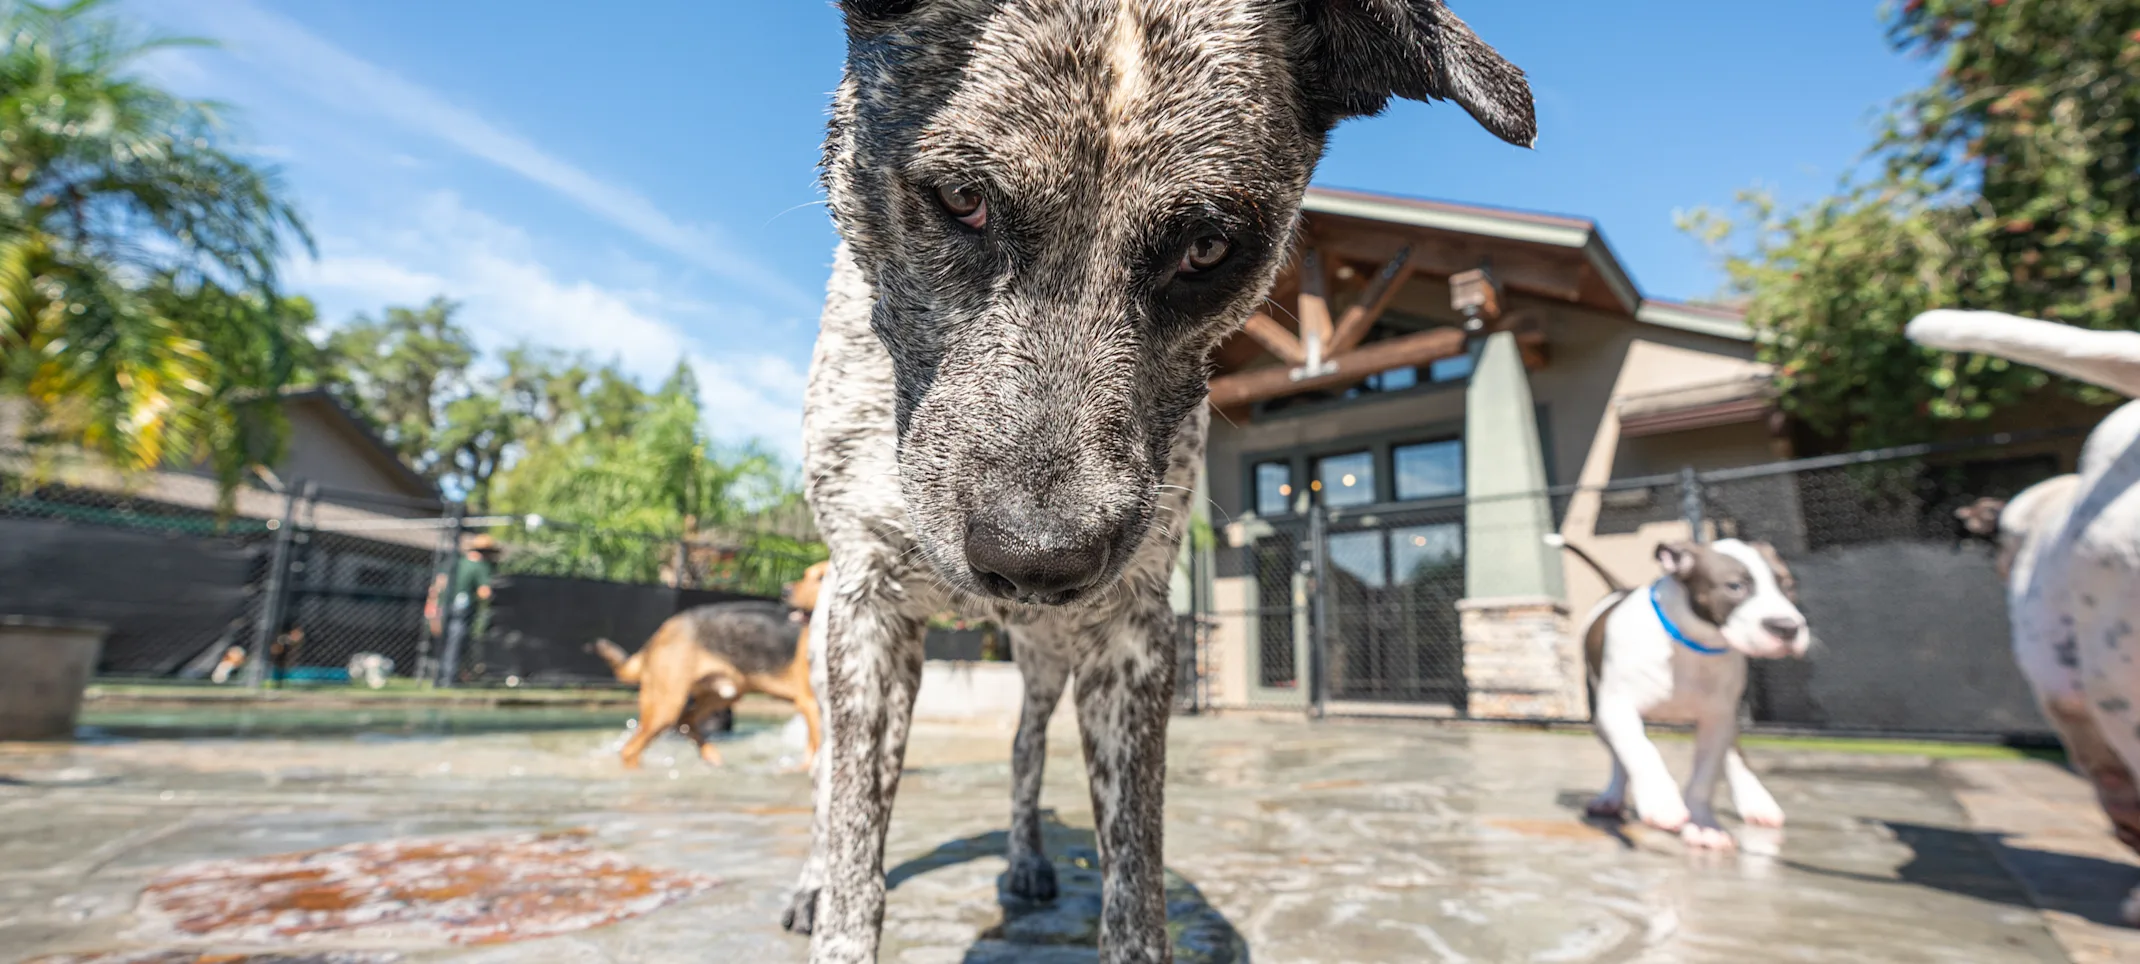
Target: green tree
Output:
[(625, 504), (403, 370), (123, 207), (259, 346), (2011, 182)]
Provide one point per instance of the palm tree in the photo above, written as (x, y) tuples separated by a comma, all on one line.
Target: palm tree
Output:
[(122, 211)]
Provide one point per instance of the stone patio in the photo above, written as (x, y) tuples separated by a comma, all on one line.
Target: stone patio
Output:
[(1287, 842)]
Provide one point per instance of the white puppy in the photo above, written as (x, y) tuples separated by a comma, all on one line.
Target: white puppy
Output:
[(2073, 593), (1675, 651)]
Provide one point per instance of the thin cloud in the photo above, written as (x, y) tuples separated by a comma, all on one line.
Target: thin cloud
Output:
[(509, 297), (332, 75)]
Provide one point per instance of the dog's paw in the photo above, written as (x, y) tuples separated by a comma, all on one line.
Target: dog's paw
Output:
[(1668, 814), (801, 914), (1699, 837), (709, 753), (1031, 877), (1605, 808), (1761, 814)]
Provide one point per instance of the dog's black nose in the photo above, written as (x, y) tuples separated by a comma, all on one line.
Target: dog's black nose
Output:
[(1783, 627), (1026, 556)]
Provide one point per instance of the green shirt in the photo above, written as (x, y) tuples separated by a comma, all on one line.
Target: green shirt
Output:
[(468, 575)]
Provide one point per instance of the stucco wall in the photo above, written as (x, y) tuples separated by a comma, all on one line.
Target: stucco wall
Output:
[(1593, 359), (322, 449)]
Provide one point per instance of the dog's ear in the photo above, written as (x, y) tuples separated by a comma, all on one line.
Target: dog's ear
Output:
[(872, 12), (1785, 580), (1982, 516), (1677, 558), (1359, 53)]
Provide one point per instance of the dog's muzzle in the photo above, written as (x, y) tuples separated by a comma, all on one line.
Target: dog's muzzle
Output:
[(1034, 556)]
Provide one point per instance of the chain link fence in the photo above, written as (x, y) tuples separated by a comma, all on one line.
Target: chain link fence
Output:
[(1359, 610), (313, 585)]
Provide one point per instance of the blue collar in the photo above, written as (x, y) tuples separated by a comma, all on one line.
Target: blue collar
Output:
[(1673, 630)]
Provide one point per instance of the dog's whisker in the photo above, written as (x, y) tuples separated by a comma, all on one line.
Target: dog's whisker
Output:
[(820, 202)]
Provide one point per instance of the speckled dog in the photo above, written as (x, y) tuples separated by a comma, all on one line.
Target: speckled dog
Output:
[(1051, 212), (2073, 588)]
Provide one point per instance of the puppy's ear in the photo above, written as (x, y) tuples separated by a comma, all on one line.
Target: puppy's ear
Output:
[(1677, 558), (1778, 568), (1359, 53)]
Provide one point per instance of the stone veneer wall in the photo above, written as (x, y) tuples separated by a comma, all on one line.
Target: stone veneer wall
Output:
[(1520, 661)]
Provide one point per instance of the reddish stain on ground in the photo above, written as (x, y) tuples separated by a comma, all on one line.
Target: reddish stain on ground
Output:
[(472, 890), (194, 957)]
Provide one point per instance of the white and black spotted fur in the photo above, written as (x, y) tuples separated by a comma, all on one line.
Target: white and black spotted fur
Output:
[(2073, 591), (1051, 212)]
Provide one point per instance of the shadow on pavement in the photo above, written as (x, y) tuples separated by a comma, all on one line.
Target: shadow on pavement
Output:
[(1067, 929), (1986, 867)]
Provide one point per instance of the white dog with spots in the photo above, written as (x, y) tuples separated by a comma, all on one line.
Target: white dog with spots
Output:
[(2073, 592), (1675, 651)]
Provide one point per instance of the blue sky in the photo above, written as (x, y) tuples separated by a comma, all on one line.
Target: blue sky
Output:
[(640, 183)]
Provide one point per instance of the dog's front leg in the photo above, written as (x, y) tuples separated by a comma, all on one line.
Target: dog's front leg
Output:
[(1714, 735), (1044, 673), (801, 914), (1125, 693), (1649, 784), (1755, 804), (873, 658)]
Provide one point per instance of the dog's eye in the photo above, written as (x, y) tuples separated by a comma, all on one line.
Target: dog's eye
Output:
[(1204, 254), (964, 203), (1735, 586)]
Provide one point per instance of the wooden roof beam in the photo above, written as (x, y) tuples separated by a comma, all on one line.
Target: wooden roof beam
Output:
[(1554, 277), (1263, 384), (1276, 338), (1353, 325)]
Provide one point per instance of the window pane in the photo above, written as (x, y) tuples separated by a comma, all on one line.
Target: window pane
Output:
[(1394, 380), (1357, 555), (1427, 552), (1451, 369), (1430, 470), (1274, 488), (1346, 479)]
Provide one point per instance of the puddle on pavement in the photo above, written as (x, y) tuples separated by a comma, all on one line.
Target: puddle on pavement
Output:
[(389, 722), (1065, 929)]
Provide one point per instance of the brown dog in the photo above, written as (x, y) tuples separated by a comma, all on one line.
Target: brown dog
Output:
[(702, 660)]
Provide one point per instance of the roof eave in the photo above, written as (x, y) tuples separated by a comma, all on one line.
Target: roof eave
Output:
[(1666, 314)]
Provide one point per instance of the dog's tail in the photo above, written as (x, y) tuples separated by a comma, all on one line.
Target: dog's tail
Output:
[(626, 667), (1555, 540), (2107, 359)]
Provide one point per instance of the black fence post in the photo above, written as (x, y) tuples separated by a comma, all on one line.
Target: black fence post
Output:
[(442, 556), (1690, 501), (450, 546), (276, 591), (1318, 611)]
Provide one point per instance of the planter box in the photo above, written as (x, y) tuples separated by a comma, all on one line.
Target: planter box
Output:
[(991, 694), (45, 664), (957, 645)]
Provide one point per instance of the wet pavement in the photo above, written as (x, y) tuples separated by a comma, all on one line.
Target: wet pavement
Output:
[(1287, 842)]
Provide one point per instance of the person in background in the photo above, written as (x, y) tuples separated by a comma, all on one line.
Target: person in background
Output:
[(283, 652), (458, 607)]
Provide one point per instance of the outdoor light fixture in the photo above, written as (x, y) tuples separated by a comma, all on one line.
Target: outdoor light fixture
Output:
[(534, 521), (1477, 296)]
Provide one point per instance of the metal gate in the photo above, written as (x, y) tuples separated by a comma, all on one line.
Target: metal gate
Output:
[(1350, 610)]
